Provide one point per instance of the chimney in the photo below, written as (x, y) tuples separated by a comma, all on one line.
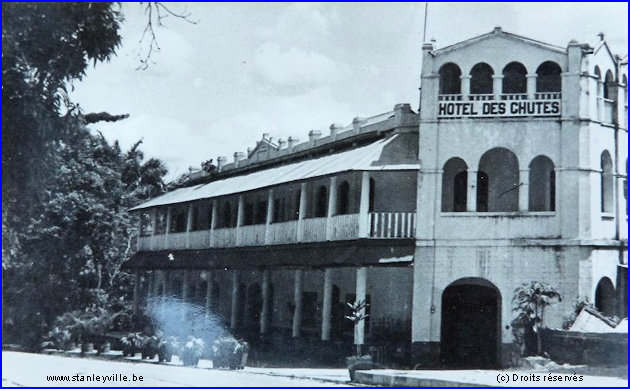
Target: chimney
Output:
[(334, 130), (238, 156), (292, 142), (221, 161), (400, 110), (266, 136), (497, 30), (281, 144), (356, 124), (313, 135)]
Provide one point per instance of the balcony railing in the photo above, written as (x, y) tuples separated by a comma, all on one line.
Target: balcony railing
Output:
[(609, 111), (392, 224), (388, 225), (514, 96), (481, 97)]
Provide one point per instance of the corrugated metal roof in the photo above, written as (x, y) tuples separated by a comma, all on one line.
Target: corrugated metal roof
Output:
[(358, 159)]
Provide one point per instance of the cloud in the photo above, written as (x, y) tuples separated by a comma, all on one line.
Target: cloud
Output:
[(296, 69), (300, 23)]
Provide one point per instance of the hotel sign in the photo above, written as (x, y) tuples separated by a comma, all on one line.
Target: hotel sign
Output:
[(492, 108)]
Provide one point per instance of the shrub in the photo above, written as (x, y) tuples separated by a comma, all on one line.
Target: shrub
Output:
[(229, 352)]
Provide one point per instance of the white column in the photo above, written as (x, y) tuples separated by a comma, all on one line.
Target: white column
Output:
[(297, 301), (189, 224), (213, 221), (240, 213), (264, 314), (600, 100), (270, 211), (471, 195), (359, 330), (465, 87), (497, 86), (209, 287), (364, 206), (301, 213), (136, 290), (523, 191), (531, 86), (235, 302), (332, 207), (169, 216), (327, 304)]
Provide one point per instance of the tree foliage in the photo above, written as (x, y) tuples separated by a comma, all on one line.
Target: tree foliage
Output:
[(66, 190)]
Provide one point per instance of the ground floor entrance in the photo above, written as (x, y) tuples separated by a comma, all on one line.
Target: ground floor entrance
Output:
[(471, 316)]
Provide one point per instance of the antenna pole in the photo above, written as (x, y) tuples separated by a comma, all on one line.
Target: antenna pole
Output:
[(424, 30)]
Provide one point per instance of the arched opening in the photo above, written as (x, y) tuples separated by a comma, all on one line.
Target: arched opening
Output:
[(502, 181), (343, 198), (226, 216), (253, 309), (482, 191), (321, 202), (605, 297), (471, 324), (542, 184), (548, 77), (609, 86), (454, 185), (450, 79), (481, 79), (514, 78), (607, 183), (371, 199)]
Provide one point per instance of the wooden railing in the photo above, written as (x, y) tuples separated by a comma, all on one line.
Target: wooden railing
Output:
[(224, 237), (252, 235), (392, 224), (285, 232), (340, 227), (314, 229), (344, 227)]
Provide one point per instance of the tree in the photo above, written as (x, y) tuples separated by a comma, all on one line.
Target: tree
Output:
[(529, 303)]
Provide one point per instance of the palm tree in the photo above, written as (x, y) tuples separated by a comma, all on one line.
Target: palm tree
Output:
[(529, 301)]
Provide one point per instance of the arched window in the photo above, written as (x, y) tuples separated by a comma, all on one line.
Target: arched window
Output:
[(609, 86), (607, 183), (502, 180), (343, 198), (605, 297), (548, 77), (226, 216), (321, 202), (514, 78), (481, 79), (454, 185), (542, 184), (450, 82)]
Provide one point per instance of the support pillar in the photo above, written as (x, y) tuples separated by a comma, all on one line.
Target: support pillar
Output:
[(189, 223), (235, 302), (297, 301), (332, 207), (497, 86), (465, 86), (471, 195), (523, 191), (359, 329), (264, 314), (531, 86), (213, 222), (301, 213), (240, 214), (327, 304), (209, 286), (269, 220), (364, 206), (136, 290)]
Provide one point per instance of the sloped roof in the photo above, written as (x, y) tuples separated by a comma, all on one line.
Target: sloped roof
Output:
[(499, 32), (359, 159)]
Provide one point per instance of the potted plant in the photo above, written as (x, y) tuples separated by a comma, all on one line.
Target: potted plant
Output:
[(132, 343), (358, 361), (167, 346), (149, 347), (58, 339), (192, 351), (229, 353)]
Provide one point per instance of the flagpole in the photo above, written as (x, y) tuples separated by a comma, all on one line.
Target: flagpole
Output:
[(424, 30)]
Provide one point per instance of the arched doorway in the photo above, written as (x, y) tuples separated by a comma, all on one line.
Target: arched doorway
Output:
[(471, 324), (605, 297)]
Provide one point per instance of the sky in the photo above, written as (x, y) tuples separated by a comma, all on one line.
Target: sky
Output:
[(244, 69)]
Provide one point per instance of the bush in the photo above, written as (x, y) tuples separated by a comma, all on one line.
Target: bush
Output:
[(132, 343), (59, 339), (167, 346)]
